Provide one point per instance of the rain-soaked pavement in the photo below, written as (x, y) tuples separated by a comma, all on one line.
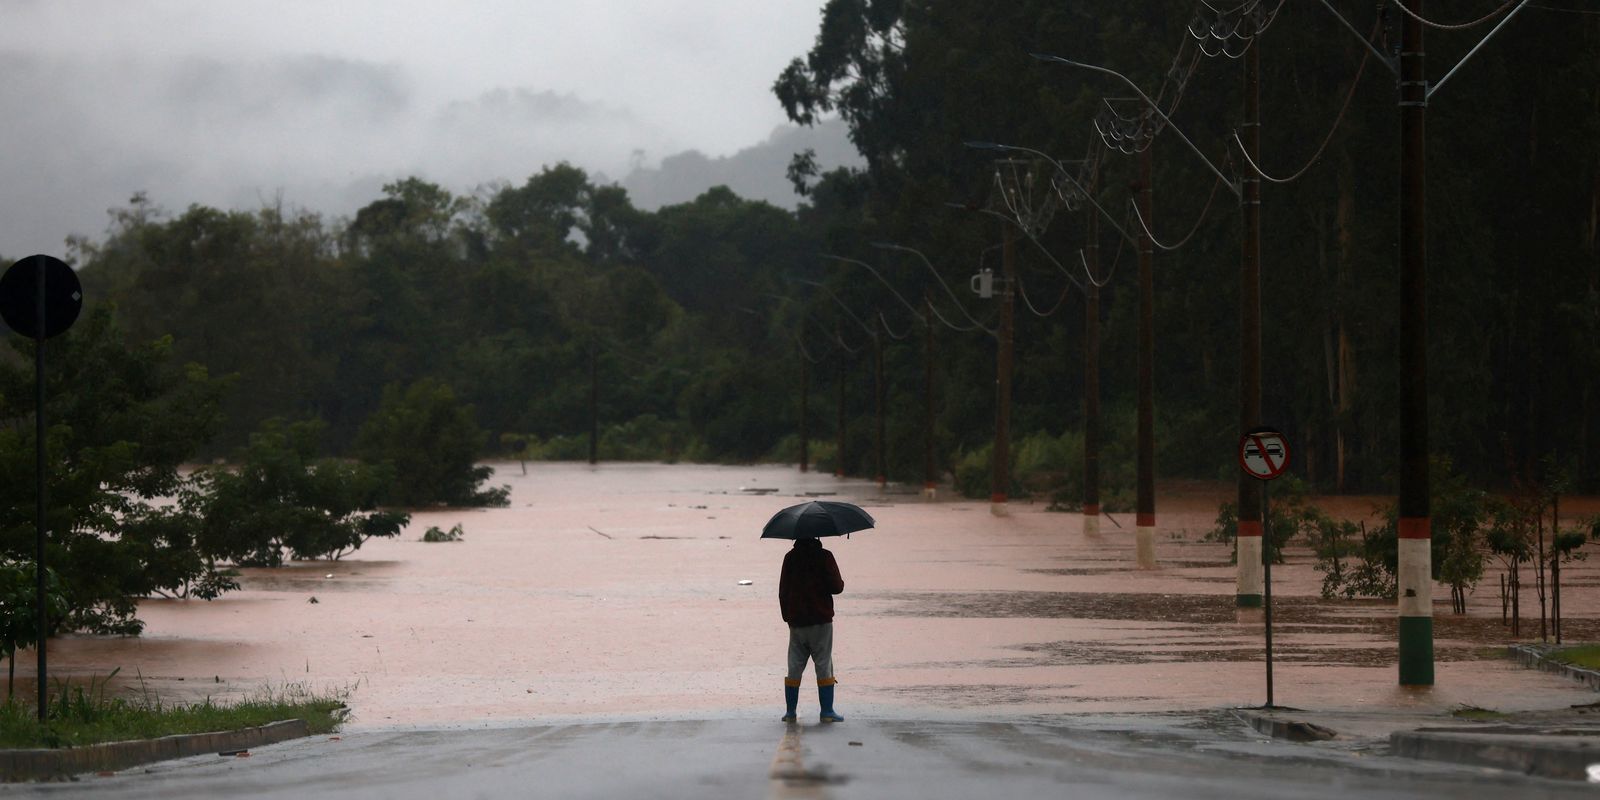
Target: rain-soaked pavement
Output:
[(613, 595)]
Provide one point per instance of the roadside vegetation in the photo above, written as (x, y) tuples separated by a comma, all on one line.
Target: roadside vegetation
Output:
[(81, 715), (1586, 656)]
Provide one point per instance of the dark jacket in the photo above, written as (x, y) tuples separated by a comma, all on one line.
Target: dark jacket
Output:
[(810, 580)]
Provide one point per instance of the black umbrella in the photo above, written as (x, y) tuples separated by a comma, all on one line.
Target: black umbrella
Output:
[(815, 519)]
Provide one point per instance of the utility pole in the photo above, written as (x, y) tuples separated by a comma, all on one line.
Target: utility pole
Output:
[(1250, 549), (838, 457), (805, 391), (1415, 588), (1145, 532), (877, 392), (594, 404), (1001, 484), (1091, 364), (930, 476)]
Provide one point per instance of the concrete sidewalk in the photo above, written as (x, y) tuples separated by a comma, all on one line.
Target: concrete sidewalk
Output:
[(1561, 744)]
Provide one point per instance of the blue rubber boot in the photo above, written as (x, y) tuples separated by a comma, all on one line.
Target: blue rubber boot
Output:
[(825, 696), (791, 698)]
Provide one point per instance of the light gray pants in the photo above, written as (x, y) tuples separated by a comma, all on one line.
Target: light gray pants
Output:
[(816, 643)]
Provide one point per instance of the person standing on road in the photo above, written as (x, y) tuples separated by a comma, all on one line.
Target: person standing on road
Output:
[(806, 588)]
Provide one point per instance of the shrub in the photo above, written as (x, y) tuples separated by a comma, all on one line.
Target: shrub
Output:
[(281, 499), (431, 442), (433, 534)]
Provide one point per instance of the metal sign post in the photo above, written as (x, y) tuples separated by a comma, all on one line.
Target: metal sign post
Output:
[(40, 297), (1264, 455)]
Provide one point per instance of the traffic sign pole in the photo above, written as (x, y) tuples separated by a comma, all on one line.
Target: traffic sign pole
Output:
[(39, 465), (1266, 579), (40, 297), (1263, 455)]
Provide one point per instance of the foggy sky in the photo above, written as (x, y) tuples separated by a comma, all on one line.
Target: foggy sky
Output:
[(319, 102)]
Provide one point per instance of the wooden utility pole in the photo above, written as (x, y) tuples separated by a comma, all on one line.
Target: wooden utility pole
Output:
[(930, 475), (1000, 486), (877, 402), (1091, 365), (1250, 549), (1145, 532), (805, 391), (594, 404), (1415, 587), (838, 457)]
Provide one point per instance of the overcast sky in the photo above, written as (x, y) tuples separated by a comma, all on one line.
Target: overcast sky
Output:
[(234, 102)]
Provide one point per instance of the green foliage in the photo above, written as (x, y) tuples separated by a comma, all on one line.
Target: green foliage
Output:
[(280, 500), (1586, 656), (430, 442), (974, 472), (1291, 515), (19, 607), (121, 421), (550, 291), (1464, 521)]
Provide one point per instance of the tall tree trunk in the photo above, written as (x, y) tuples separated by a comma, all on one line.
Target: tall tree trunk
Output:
[(1345, 356), (1555, 568), (1538, 580)]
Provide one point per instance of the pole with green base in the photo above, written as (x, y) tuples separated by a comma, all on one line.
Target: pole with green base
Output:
[(1415, 584)]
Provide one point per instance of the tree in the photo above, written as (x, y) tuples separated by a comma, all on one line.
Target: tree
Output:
[(122, 420), (19, 611), (431, 442), (280, 499)]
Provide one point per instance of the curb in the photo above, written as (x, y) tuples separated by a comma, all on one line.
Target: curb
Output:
[(1529, 755), (1536, 657), (44, 764), (1291, 730)]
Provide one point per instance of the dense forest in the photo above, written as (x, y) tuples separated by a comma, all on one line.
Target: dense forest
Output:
[(692, 331)]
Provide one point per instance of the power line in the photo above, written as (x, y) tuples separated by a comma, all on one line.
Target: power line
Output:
[(976, 325), (1022, 290), (1192, 231), (1463, 26), (892, 335), (1565, 10), (1354, 83)]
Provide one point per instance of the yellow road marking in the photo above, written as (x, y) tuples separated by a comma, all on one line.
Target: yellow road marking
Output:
[(790, 780)]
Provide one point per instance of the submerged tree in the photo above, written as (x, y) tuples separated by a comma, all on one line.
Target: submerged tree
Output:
[(280, 499)]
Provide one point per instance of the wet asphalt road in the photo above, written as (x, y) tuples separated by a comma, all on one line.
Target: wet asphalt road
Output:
[(1206, 755)]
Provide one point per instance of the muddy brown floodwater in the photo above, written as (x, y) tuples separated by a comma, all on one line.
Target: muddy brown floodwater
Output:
[(614, 591)]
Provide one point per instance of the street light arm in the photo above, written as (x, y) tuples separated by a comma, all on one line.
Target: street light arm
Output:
[(1233, 186), (940, 279), (871, 330)]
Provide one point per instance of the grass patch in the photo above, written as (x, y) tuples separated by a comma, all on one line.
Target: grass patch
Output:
[(1586, 656), (1473, 712), (84, 715)]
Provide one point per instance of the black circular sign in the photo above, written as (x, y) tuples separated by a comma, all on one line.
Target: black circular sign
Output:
[(19, 301)]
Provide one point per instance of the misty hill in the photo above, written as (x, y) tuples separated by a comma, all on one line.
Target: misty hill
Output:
[(755, 173)]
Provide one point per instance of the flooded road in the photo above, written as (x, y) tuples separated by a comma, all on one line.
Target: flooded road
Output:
[(614, 592)]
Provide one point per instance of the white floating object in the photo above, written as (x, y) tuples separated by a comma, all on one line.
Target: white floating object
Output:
[(745, 583), (329, 575)]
